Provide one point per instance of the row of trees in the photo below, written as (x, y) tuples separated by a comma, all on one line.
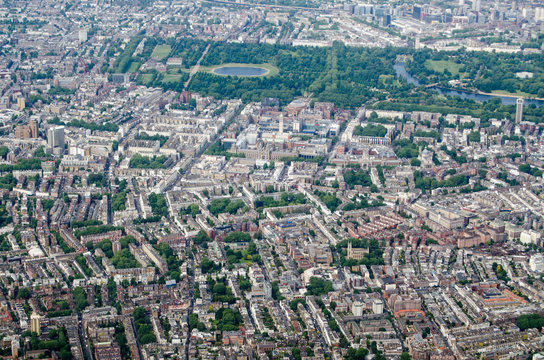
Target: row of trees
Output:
[(286, 199), (145, 162), (429, 183), (370, 130), (219, 206), (158, 204), (86, 125)]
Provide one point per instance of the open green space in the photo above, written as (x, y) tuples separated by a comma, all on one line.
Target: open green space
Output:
[(442, 65), (161, 51), (134, 66), (389, 80), (172, 78), (145, 79)]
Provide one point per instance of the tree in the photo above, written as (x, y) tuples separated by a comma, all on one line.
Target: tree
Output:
[(359, 354), (23, 293), (237, 236), (193, 321), (80, 298), (474, 136), (158, 204), (530, 321), (228, 319), (318, 286), (4, 151), (201, 238), (143, 326), (370, 130), (208, 266)]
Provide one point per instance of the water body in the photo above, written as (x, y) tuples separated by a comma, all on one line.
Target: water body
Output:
[(240, 71), (400, 69)]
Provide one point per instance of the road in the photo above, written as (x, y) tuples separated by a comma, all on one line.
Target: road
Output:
[(191, 305), (272, 6), (395, 325), (195, 68), (83, 340)]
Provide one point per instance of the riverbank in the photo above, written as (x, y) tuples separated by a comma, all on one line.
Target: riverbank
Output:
[(507, 94), (480, 96), (498, 93)]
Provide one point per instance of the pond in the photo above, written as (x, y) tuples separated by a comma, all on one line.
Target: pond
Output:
[(400, 69), (240, 71)]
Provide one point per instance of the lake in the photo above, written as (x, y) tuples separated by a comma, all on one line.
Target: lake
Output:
[(400, 69), (240, 71)]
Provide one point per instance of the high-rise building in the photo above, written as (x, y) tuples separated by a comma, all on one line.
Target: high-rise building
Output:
[(116, 246), (33, 129), (82, 36), (417, 12), (357, 308), (185, 97), (55, 137), (35, 323), (385, 20), (536, 263), (539, 13), (15, 349), (21, 103), (519, 110), (477, 5), (377, 306)]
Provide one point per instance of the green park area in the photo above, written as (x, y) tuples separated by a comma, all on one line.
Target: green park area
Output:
[(487, 72), (442, 65), (345, 76), (161, 51)]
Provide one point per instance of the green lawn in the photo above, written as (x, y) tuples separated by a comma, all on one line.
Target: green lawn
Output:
[(134, 66), (441, 65), (161, 51), (389, 80), (146, 78), (171, 78)]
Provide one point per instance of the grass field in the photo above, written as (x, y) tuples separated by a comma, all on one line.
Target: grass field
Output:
[(272, 70), (441, 65), (161, 51), (389, 80), (171, 78), (146, 78), (134, 67)]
